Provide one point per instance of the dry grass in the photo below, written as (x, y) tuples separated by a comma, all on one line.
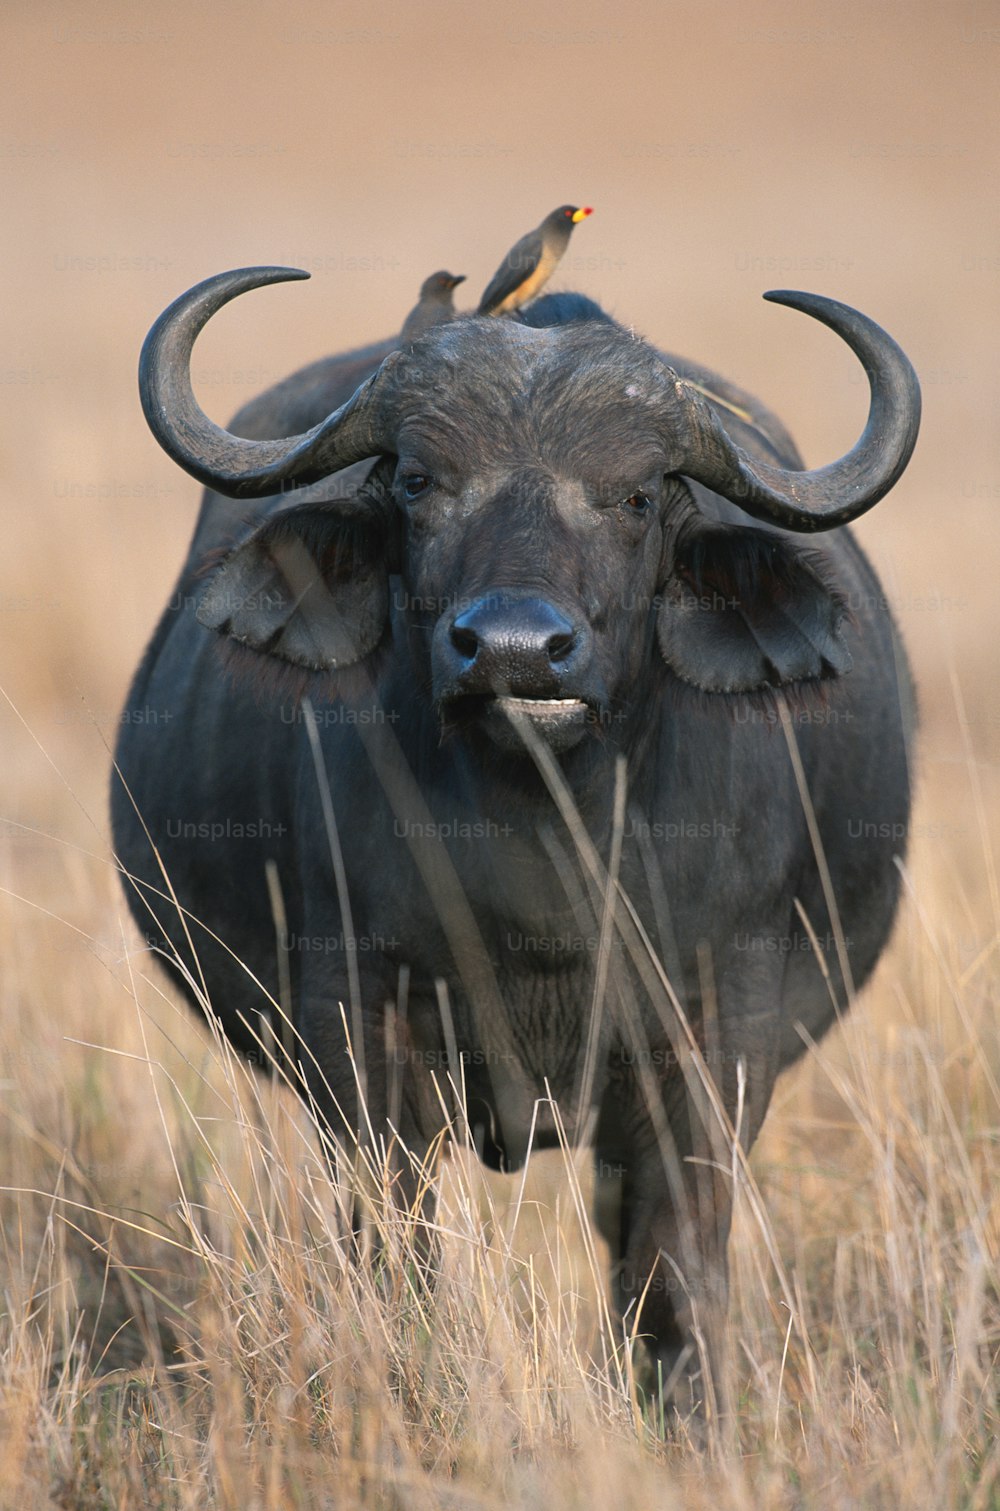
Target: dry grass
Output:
[(182, 1326), (177, 1325)]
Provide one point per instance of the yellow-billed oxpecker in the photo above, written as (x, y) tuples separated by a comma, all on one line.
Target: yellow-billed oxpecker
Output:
[(531, 262)]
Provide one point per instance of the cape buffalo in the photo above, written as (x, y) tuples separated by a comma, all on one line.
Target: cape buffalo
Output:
[(517, 742)]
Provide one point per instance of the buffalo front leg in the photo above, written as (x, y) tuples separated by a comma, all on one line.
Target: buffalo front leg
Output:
[(664, 1163), (666, 1222)]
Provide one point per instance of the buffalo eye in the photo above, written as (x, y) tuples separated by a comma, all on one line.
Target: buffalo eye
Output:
[(414, 483), (638, 502)]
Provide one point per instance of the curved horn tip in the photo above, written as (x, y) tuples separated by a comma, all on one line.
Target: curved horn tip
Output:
[(242, 280), (783, 296), (845, 320), (843, 490), (870, 343), (272, 272), (212, 293), (809, 304), (191, 311), (234, 465)]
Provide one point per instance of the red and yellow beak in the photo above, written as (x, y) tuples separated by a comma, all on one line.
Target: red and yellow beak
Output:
[(582, 214)]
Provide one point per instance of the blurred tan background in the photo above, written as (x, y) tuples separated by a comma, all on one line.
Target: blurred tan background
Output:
[(848, 149)]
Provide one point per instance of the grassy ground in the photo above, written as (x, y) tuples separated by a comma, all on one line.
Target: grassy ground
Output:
[(178, 1326), (181, 1326)]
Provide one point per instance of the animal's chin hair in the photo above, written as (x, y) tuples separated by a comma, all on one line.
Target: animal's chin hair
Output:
[(457, 717)]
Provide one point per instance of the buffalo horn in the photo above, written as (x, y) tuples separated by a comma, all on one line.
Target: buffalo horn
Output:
[(840, 492), (229, 463)]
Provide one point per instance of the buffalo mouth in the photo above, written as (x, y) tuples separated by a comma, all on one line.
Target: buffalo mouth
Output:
[(559, 722)]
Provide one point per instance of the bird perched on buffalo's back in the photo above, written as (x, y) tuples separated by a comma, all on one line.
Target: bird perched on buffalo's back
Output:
[(434, 306), (531, 262)]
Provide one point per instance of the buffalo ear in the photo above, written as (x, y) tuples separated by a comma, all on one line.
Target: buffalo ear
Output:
[(308, 587), (743, 609)]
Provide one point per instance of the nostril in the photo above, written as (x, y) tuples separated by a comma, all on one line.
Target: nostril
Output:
[(465, 641), (560, 645)]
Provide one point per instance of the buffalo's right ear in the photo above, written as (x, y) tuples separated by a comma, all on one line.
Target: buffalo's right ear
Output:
[(309, 587)]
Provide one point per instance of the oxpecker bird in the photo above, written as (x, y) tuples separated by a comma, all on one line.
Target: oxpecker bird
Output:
[(531, 262), (434, 306)]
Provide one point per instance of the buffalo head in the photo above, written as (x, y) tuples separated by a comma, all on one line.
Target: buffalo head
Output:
[(530, 494)]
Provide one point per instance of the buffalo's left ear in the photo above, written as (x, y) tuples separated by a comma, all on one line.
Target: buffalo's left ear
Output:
[(744, 609), (309, 587)]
